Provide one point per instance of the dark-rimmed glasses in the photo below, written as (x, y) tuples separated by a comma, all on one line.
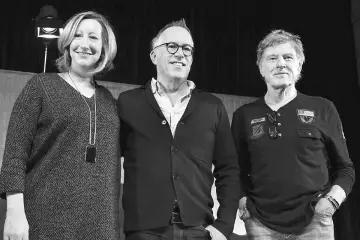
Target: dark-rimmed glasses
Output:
[(274, 131), (172, 48)]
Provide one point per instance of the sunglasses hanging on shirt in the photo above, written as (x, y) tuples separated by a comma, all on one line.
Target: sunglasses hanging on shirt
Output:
[(274, 125)]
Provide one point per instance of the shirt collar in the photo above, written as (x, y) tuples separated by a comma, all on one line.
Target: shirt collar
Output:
[(158, 88)]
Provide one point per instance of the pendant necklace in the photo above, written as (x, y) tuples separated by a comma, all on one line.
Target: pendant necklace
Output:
[(90, 151)]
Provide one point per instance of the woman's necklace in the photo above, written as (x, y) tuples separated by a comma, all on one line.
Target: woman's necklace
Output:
[(90, 151)]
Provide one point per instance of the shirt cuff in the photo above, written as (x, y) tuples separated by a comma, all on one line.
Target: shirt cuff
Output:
[(337, 193)]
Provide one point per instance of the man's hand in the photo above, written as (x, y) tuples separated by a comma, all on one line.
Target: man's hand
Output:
[(16, 225), (242, 207), (215, 234), (324, 206)]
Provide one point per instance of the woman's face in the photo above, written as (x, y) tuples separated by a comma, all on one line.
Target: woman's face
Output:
[(86, 47)]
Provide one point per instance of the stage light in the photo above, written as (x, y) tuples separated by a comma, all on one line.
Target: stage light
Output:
[(48, 32), (48, 27)]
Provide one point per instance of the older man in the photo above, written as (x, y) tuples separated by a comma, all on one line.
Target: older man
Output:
[(294, 165), (172, 134)]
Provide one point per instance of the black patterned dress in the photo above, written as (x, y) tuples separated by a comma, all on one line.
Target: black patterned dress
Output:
[(65, 196)]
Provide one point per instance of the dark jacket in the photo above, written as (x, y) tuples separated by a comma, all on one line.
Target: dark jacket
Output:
[(159, 167)]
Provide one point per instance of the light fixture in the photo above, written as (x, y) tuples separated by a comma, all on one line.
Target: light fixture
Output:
[(48, 32), (48, 27)]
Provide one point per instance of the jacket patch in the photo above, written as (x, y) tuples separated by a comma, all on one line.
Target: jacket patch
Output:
[(257, 120), (306, 116), (257, 131)]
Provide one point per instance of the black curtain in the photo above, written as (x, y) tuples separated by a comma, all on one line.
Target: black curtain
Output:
[(226, 34), (355, 19)]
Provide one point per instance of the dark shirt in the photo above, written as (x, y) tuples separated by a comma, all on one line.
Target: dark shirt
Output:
[(159, 167), (283, 178)]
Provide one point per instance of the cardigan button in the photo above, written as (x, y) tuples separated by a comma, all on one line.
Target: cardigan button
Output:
[(173, 148), (163, 122)]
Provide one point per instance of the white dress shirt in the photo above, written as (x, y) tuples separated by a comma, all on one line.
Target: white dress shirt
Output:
[(172, 113)]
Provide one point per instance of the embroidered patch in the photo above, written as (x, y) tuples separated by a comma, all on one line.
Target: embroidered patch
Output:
[(257, 120), (257, 131), (306, 116)]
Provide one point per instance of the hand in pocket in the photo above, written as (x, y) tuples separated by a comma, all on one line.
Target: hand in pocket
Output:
[(243, 211)]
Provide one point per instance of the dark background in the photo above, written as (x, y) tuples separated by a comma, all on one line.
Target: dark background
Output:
[(226, 34)]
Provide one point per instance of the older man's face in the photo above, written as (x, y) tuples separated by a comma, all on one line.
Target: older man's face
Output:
[(280, 66), (175, 65)]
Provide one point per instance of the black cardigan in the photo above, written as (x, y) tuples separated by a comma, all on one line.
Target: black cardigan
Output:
[(159, 167)]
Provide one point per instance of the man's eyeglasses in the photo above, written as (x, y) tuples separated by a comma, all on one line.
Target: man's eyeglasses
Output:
[(172, 48), (274, 131)]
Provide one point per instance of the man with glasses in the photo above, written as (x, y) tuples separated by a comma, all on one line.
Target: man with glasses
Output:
[(172, 134), (287, 143)]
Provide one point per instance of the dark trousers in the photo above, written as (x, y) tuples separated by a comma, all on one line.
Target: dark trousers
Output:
[(175, 231)]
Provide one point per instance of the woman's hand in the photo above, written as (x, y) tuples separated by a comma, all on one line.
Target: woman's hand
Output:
[(16, 226)]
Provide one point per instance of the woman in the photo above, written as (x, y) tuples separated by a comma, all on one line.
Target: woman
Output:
[(61, 165)]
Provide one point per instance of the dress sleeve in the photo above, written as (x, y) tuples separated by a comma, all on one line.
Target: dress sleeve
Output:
[(341, 167), (20, 134)]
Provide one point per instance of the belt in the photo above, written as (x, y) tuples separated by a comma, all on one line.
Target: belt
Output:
[(175, 215)]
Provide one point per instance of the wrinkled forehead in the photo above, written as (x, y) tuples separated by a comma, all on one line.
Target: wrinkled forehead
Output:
[(280, 49), (178, 35)]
